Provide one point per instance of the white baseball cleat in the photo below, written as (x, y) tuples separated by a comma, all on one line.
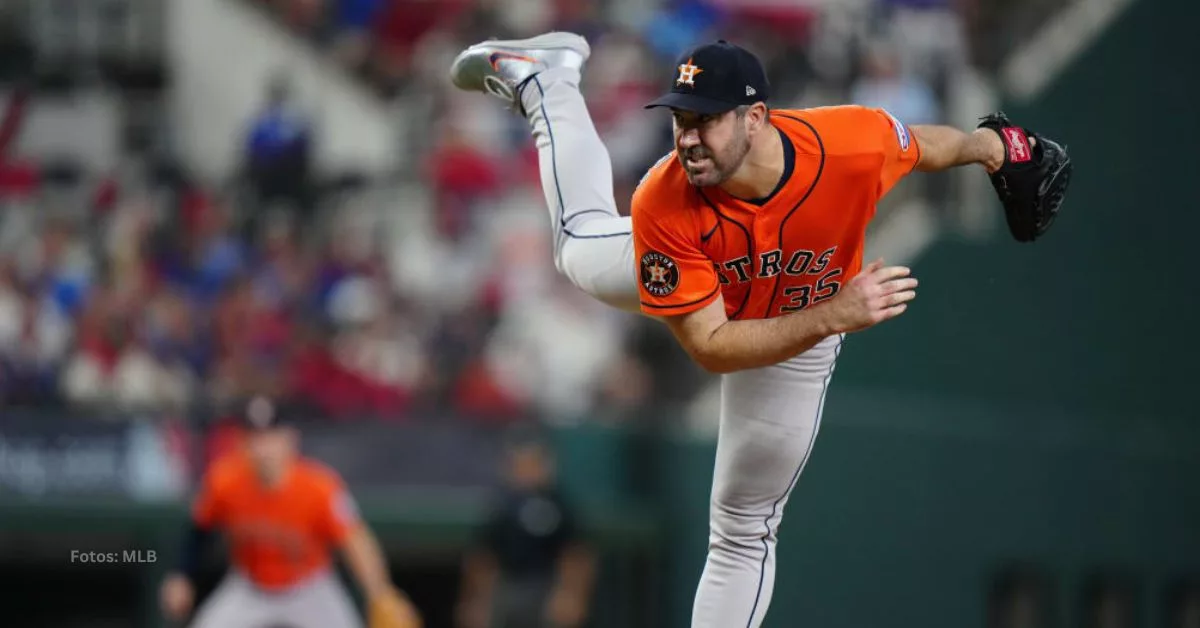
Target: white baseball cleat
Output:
[(501, 67)]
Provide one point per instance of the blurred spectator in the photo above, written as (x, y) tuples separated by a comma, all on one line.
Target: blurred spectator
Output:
[(173, 332), (34, 336), (399, 30), (353, 21), (281, 271), (313, 379), (532, 567), (214, 255), (462, 177), (374, 346), (886, 84), (113, 368), (279, 152), (678, 25), (932, 34)]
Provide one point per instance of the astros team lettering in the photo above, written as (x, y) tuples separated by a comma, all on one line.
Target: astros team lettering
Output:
[(799, 263)]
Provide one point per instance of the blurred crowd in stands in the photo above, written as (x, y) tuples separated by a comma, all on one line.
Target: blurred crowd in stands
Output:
[(897, 51), (167, 300), (143, 289)]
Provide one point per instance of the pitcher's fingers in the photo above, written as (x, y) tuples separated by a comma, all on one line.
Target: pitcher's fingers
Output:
[(891, 272), (901, 297), (872, 267), (894, 311), (896, 285)]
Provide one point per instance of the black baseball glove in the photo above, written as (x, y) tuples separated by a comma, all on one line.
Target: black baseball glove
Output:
[(1033, 180)]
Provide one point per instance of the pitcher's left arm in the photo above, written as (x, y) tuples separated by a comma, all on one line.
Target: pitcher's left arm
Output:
[(945, 147)]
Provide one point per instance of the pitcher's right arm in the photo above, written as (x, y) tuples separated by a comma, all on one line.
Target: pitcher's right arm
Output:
[(720, 345), (678, 283)]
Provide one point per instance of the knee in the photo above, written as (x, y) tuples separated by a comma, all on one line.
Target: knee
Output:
[(581, 265), (739, 531), (600, 278)]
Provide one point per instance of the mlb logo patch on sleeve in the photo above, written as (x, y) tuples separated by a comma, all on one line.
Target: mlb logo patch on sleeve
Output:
[(902, 135)]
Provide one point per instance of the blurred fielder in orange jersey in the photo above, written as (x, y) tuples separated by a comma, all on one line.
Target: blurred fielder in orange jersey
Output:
[(284, 515), (747, 241)]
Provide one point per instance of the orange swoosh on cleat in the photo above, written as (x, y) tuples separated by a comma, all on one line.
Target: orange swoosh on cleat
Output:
[(497, 57)]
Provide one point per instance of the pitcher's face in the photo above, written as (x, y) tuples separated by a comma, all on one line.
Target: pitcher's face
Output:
[(710, 147)]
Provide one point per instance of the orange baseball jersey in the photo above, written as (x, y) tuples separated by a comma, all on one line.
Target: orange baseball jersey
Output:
[(782, 253), (277, 536)]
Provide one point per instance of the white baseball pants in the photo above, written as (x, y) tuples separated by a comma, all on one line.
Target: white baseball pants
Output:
[(769, 416), (319, 602)]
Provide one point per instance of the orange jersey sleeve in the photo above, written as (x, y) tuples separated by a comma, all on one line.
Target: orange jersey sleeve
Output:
[(865, 130), (339, 511), (674, 275), (900, 149)]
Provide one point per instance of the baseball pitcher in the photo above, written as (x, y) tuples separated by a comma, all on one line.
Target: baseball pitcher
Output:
[(747, 241)]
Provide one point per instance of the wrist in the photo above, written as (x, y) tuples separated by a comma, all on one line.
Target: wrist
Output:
[(991, 149), (825, 320), (375, 589)]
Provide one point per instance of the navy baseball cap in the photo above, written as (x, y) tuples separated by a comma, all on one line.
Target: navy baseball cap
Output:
[(714, 78)]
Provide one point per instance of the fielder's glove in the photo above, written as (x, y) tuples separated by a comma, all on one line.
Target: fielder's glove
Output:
[(1033, 180), (392, 610)]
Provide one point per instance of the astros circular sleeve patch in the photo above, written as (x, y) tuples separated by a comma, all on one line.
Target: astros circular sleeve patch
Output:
[(659, 274)]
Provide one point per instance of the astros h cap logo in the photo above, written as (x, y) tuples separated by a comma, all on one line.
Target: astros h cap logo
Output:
[(687, 73), (732, 76)]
